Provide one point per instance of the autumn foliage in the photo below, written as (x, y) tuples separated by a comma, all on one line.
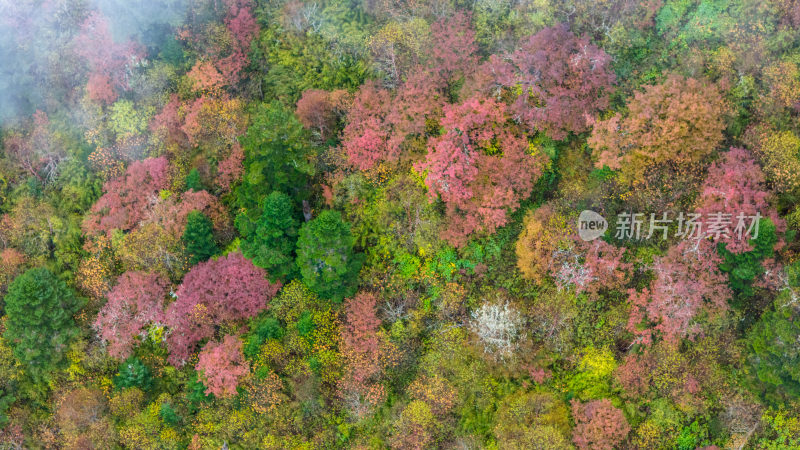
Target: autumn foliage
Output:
[(222, 365), (319, 110), (599, 425), (680, 293), (127, 197), (136, 301), (370, 136), (590, 266), (224, 60), (563, 81), (362, 224), (453, 51), (680, 120), (549, 248), (545, 231), (479, 167), (735, 185), (11, 264), (777, 151), (108, 61), (365, 353), (213, 292)]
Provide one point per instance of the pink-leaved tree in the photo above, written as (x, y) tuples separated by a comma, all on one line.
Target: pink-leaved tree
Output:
[(563, 80), (480, 167), (222, 365), (136, 301), (453, 52), (212, 293), (127, 197), (688, 283), (108, 61), (736, 185), (598, 425), (590, 267)]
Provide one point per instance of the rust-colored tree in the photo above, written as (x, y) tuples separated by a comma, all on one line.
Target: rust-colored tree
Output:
[(680, 121), (364, 353), (319, 110), (12, 263)]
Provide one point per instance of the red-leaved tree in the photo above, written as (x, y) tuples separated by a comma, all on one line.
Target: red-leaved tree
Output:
[(214, 292), (166, 125), (136, 301), (687, 283), (243, 27), (222, 60), (479, 167), (361, 346), (206, 77), (172, 213), (108, 61), (416, 100), (735, 185), (598, 425), (231, 168), (365, 137), (37, 152), (127, 197), (590, 266), (319, 110), (379, 121), (315, 110), (564, 80), (222, 366), (453, 48), (663, 371)]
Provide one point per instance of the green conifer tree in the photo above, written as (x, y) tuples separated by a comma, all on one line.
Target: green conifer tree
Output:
[(199, 238), (270, 241), (40, 324), (328, 265)]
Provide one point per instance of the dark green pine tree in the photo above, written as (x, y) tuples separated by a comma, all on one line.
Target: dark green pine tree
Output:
[(199, 238), (772, 341), (40, 324), (193, 181), (328, 265), (270, 241), (279, 156), (744, 268), (774, 354), (133, 373)]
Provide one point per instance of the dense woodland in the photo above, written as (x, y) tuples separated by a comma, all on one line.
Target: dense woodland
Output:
[(289, 224)]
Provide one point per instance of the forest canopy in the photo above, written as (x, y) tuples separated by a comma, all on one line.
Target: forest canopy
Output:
[(295, 224)]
